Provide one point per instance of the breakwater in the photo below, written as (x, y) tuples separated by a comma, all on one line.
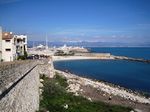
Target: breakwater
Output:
[(130, 59), (19, 85)]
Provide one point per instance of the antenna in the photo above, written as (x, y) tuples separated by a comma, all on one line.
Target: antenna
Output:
[(46, 42), (33, 44)]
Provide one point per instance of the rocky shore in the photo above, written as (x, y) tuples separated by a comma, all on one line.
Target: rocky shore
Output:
[(100, 91), (131, 59)]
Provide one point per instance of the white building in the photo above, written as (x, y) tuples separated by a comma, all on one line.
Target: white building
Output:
[(21, 44), (12, 46), (8, 47)]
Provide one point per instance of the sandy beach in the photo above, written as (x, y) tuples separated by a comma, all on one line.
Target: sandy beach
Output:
[(61, 58)]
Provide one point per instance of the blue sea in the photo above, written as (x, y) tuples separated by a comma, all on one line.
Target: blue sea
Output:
[(135, 52), (131, 75)]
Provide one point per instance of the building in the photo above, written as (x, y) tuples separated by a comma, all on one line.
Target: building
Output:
[(12, 46), (0, 44), (21, 44), (8, 46)]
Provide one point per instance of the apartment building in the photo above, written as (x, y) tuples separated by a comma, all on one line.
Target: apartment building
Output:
[(21, 44), (12, 46), (8, 46)]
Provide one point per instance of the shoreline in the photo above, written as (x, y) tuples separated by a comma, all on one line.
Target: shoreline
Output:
[(120, 90), (102, 91), (70, 58), (110, 84), (97, 90)]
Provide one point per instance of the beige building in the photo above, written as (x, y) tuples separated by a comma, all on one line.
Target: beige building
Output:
[(8, 47)]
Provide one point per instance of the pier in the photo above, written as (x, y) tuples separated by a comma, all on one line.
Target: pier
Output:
[(131, 59)]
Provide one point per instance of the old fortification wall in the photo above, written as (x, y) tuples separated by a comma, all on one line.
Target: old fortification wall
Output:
[(19, 85), (47, 68)]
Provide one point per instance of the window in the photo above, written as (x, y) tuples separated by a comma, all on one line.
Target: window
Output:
[(23, 39), (7, 40), (7, 49)]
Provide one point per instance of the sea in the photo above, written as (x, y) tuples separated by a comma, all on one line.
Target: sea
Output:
[(127, 74)]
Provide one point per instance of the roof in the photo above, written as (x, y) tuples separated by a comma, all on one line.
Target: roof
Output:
[(7, 35)]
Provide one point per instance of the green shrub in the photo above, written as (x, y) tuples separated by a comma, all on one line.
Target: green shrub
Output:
[(21, 58)]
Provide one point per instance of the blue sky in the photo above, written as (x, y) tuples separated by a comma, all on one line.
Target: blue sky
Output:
[(125, 21)]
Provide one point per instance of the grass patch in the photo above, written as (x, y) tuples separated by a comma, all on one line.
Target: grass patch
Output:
[(55, 98)]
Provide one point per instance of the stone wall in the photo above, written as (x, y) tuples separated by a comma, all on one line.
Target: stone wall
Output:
[(19, 85), (47, 68)]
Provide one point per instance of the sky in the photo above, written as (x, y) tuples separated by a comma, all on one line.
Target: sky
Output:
[(125, 21)]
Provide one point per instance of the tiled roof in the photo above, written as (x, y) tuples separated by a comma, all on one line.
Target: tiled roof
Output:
[(7, 35)]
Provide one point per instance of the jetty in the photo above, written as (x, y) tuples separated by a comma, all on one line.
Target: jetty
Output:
[(130, 59)]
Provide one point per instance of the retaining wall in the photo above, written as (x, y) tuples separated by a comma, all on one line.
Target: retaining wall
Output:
[(19, 85)]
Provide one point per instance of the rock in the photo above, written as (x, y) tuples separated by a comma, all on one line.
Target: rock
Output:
[(41, 85), (56, 83), (110, 98), (76, 94), (81, 90), (104, 94), (66, 106), (90, 99), (137, 110), (41, 80), (132, 111), (41, 90)]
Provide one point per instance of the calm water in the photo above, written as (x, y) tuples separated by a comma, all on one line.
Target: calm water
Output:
[(132, 75), (138, 52)]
